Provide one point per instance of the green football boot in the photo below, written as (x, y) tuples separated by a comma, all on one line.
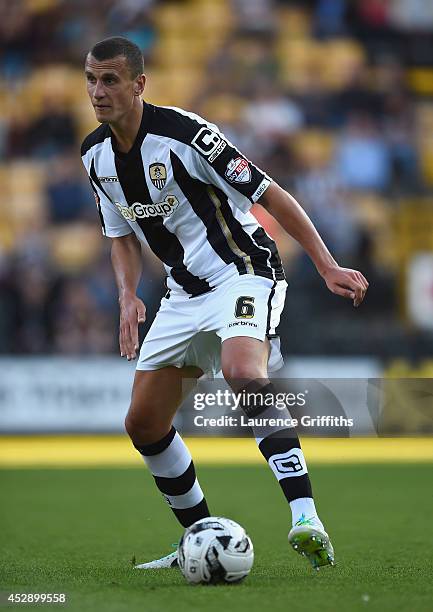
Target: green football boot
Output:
[(308, 538)]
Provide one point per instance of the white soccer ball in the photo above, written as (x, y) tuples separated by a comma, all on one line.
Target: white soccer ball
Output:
[(215, 550)]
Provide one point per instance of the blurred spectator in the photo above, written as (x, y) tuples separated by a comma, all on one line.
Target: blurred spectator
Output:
[(34, 303), (317, 105), (68, 194), (329, 16), (328, 204), (240, 62), (400, 133), (8, 307), (411, 15), (255, 16), (362, 157), (132, 18), (271, 115), (15, 37), (375, 13), (77, 21), (15, 136), (356, 97), (80, 327), (53, 132), (101, 284)]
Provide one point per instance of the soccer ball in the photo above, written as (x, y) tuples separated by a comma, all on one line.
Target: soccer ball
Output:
[(215, 550)]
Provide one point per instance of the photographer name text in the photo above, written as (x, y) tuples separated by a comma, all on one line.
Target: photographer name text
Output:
[(243, 421)]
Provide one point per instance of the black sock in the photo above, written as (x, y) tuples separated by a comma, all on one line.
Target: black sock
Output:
[(278, 444)]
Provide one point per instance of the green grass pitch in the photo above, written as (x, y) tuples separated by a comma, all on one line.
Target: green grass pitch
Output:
[(75, 531)]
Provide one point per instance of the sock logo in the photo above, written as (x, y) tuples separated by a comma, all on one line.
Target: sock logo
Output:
[(288, 464)]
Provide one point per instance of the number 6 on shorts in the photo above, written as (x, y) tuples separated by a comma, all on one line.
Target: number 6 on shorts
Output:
[(244, 307)]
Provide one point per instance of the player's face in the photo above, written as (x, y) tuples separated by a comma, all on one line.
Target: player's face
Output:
[(110, 87)]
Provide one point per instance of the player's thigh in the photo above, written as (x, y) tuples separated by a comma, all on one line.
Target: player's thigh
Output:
[(244, 359), (252, 308)]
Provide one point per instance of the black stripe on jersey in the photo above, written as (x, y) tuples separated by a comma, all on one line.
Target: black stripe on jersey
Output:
[(197, 195), (259, 257), (271, 295), (262, 239), (163, 243)]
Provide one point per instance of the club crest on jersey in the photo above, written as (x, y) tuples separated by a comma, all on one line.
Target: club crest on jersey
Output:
[(238, 170), (158, 174)]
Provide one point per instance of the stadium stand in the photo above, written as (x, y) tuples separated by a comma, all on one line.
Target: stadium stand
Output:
[(332, 99)]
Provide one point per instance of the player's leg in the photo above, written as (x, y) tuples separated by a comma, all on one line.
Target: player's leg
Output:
[(156, 397), (244, 364)]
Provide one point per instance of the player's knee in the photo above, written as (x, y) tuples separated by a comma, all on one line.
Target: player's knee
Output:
[(132, 425), (237, 375), (143, 429)]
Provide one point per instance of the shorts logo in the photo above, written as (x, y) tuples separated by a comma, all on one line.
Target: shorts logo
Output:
[(97, 199), (208, 142), (158, 174), (238, 171), (237, 323), (244, 308), (145, 211)]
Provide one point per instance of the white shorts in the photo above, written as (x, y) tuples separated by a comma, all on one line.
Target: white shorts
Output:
[(189, 332)]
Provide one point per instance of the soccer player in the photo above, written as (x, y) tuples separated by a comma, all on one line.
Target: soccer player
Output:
[(167, 178)]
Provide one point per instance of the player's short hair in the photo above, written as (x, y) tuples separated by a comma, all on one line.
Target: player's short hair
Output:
[(118, 45)]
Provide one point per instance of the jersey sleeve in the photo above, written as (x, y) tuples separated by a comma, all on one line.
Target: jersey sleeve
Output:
[(112, 223), (222, 165)]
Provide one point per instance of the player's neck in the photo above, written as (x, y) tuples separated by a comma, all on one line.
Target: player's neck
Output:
[(125, 131)]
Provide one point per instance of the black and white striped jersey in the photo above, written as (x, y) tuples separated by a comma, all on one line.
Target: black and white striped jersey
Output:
[(186, 192)]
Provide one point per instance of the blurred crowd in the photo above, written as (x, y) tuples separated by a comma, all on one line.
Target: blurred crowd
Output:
[(333, 98)]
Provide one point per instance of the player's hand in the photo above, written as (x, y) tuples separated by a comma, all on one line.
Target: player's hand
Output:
[(350, 284), (132, 313)]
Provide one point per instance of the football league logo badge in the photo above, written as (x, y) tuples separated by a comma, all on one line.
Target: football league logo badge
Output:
[(158, 174), (238, 171)]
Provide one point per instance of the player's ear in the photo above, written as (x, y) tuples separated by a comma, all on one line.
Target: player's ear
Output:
[(140, 82)]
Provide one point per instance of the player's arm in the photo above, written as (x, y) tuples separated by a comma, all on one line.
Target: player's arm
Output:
[(127, 265), (292, 217)]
